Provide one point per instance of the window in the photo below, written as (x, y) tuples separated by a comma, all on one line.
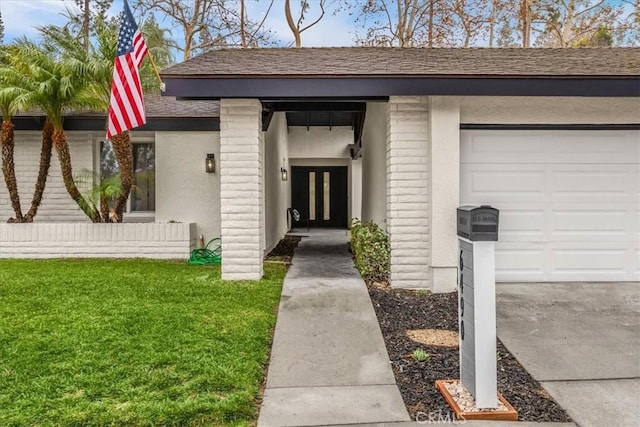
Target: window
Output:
[(143, 193)]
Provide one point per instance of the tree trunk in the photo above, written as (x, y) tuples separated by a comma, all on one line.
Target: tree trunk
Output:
[(85, 26), (492, 22), (62, 148), (243, 31), (122, 148), (43, 172), (9, 170), (430, 26), (525, 16), (292, 26), (104, 209)]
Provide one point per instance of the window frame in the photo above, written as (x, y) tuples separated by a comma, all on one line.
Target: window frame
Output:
[(136, 138)]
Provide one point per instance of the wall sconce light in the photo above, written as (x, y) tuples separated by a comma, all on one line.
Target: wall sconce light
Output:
[(284, 174), (210, 163)]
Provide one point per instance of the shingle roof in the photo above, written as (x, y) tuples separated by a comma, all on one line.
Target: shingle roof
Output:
[(406, 62), (156, 106), (168, 106)]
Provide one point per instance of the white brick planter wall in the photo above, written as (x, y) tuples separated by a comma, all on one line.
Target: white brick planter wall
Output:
[(85, 240)]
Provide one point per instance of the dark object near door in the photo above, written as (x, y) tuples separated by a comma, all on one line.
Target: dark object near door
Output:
[(294, 219)]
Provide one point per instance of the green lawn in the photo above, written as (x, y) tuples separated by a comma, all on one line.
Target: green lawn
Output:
[(131, 342)]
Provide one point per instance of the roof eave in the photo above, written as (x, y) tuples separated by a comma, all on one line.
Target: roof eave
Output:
[(217, 87)]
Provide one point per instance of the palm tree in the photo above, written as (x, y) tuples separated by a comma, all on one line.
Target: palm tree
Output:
[(97, 63), (58, 84), (16, 86), (8, 108)]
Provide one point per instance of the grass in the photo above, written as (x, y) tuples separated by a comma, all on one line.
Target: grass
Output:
[(131, 342)]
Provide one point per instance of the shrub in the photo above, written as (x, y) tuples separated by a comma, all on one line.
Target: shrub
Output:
[(371, 250)]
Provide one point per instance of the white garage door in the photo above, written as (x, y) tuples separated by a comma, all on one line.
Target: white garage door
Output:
[(569, 201)]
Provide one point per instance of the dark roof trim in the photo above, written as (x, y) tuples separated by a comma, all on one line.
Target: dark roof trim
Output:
[(98, 124), (525, 126), (365, 88), (332, 106)]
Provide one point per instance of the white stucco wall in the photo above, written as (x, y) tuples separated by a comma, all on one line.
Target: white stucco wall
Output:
[(184, 191), (319, 142), (277, 191), (444, 127), (549, 110), (57, 205), (374, 158)]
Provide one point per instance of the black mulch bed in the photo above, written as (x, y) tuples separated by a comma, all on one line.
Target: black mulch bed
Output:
[(283, 251), (402, 310)]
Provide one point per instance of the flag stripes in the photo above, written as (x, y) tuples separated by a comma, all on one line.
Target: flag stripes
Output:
[(126, 107)]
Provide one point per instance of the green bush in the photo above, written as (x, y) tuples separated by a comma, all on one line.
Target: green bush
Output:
[(371, 250)]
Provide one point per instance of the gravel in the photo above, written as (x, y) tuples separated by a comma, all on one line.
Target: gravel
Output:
[(400, 311)]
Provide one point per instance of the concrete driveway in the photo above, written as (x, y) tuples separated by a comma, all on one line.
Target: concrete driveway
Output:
[(581, 341)]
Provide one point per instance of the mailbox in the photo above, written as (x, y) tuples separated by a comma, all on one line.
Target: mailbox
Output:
[(478, 231), (478, 224)]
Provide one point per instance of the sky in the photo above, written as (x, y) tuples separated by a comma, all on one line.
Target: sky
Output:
[(21, 17)]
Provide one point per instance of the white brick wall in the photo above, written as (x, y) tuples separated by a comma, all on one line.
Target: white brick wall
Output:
[(408, 191), (241, 188), (56, 204), (86, 240)]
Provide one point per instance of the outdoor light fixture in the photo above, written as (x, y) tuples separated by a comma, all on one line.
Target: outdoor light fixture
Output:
[(284, 174), (210, 163)]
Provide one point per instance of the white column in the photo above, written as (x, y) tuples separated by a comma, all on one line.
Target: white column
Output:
[(444, 122), (241, 189), (408, 191)]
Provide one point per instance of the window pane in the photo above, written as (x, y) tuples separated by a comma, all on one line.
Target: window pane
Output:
[(143, 195), (108, 163), (108, 168), (312, 196), (326, 188)]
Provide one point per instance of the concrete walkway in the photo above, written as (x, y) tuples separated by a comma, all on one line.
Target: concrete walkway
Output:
[(329, 364)]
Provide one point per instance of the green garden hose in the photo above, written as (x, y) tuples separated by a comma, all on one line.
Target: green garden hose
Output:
[(211, 254)]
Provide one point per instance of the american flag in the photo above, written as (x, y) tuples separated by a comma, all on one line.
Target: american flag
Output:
[(126, 109)]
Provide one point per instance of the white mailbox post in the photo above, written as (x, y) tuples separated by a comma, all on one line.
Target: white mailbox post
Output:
[(478, 233)]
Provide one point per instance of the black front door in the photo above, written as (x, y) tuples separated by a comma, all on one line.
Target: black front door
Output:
[(320, 195)]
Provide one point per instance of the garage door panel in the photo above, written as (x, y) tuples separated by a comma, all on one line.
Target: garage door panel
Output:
[(487, 148), (589, 184), (520, 261), (519, 225), (611, 147), (569, 201), (592, 225), (588, 261), (503, 183), (574, 147)]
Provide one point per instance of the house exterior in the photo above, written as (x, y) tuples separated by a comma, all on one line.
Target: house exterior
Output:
[(551, 137)]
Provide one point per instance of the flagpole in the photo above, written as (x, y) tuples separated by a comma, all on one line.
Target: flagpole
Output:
[(155, 70)]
